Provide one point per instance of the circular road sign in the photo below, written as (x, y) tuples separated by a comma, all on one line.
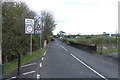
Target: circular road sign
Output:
[(29, 29)]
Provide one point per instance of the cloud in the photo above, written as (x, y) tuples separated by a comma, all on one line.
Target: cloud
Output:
[(81, 16), (73, 3), (83, 2)]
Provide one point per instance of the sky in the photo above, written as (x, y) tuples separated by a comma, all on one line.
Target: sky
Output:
[(80, 16)]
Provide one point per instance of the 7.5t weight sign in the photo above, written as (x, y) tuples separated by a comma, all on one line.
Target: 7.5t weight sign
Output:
[(29, 26)]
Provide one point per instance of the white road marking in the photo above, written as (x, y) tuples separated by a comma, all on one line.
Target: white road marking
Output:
[(38, 76), (28, 65), (89, 67), (12, 78), (42, 58), (40, 64), (63, 48), (28, 72), (44, 53)]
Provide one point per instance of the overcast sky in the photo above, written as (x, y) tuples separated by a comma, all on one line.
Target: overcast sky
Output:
[(80, 16)]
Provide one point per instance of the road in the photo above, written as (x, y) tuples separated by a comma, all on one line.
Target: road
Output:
[(63, 61)]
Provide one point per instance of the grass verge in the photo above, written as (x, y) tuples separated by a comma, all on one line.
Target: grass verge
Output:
[(107, 51), (72, 39), (9, 66)]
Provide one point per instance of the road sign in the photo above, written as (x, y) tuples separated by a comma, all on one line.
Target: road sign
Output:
[(29, 29), (38, 29), (29, 26)]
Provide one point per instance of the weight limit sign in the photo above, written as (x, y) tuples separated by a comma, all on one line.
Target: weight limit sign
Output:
[(29, 26)]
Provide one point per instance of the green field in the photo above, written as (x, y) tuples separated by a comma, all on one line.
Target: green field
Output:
[(106, 51), (99, 41), (72, 39)]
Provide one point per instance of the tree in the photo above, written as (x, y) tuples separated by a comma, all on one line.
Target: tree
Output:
[(14, 39), (49, 24)]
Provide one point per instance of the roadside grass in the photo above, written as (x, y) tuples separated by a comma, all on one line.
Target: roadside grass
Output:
[(71, 39), (98, 41), (9, 66), (107, 51)]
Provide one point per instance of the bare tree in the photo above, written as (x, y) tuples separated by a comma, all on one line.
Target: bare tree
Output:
[(49, 24)]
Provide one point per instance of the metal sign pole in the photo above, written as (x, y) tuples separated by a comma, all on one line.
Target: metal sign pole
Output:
[(116, 39), (40, 40), (19, 57), (31, 44)]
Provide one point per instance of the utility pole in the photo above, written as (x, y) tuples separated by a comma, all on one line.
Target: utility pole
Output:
[(1, 31), (1, 65)]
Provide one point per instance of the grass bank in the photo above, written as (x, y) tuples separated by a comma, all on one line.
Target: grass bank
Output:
[(107, 51), (9, 66), (93, 41)]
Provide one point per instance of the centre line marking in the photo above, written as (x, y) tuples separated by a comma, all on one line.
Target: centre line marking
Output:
[(89, 67), (42, 58), (28, 65), (38, 76), (28, 72), (44, 53), (12, 78), (64, 48), (40, 64)]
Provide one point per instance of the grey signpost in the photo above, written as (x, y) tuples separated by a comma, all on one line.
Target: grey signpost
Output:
[(29, 29), (38, 30)]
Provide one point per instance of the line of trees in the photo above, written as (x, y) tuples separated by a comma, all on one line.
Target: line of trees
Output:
[(14, 39)]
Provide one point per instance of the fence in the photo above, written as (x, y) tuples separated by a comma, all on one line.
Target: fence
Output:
[(84, 46)]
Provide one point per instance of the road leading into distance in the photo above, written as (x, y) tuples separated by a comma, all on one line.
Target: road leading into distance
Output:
[(63, 61)]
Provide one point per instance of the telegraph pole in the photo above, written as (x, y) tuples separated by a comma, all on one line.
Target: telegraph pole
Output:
[(1, 31), (1, 65)]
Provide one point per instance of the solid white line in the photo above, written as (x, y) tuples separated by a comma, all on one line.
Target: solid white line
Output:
[(44, 53), (42, 58), (38, 76), (28, 72), (40, 64), (28, 65), (89, 67)]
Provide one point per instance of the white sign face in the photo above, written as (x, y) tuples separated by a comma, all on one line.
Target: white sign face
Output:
[(29, 26)]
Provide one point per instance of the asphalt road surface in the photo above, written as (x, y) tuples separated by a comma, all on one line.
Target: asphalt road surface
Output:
[(63, 61)]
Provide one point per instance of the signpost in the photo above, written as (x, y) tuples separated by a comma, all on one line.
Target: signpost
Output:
[(38, 30), (29, 29)]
